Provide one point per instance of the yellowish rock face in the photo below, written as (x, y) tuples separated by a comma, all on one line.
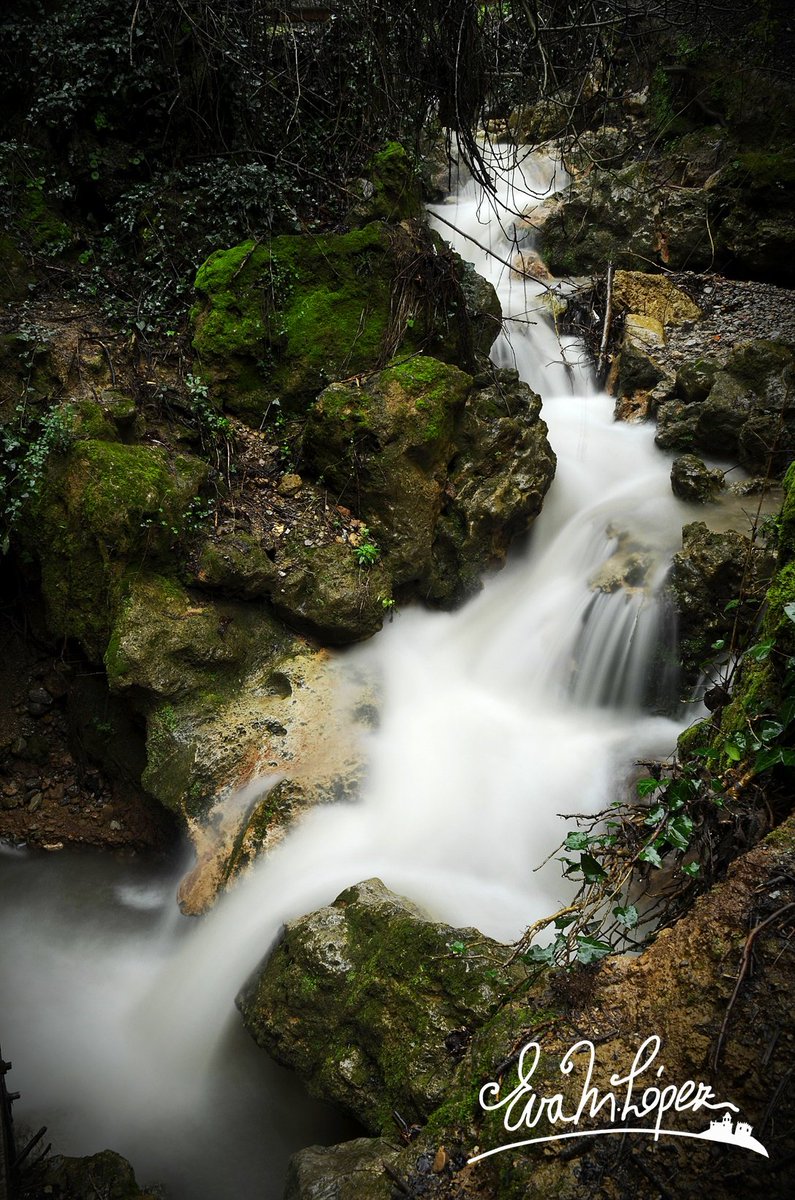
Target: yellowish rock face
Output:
[(653, 296)]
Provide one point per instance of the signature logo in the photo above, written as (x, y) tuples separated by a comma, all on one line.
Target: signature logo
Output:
[(634, 1105)]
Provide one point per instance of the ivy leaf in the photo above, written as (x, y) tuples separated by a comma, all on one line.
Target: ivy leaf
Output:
[(649, 854), (576, 841), (774, 756), (591, 869), (789, 611), (769, 730), (680, 831), (645, 787), (540, 954), (626, 915), (693, 869), (590, 949), (733, 751), (655, 816), (761, 650)]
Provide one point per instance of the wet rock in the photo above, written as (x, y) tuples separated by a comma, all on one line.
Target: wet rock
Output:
[(106, 1174), (360, 997), (350, 1171), (711, 571), (694, 481), (444, 474), (276, 322)]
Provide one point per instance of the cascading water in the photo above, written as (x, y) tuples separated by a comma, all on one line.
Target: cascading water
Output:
[(524, 704)]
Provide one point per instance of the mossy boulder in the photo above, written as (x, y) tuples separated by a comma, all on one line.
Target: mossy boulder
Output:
[(106, 1174), (104, 507), (368, 999), (275, 323), (710, 572), (742, 408), (391, 190), (384, 447), (444, 474), (235, 563), (755, 235)]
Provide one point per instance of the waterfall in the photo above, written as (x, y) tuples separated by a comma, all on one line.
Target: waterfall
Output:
[(530, 701)]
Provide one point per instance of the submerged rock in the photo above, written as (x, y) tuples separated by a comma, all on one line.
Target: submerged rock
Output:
[(371, 1002)]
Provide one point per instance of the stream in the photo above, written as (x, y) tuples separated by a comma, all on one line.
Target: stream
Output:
[(531, 701)]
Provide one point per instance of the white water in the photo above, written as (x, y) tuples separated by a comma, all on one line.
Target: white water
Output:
[(495, 719)]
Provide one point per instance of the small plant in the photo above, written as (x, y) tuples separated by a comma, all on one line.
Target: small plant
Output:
[(367, 552), (23, 460), (213, 426)]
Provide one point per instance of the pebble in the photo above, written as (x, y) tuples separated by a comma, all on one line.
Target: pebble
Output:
[(115, 826)]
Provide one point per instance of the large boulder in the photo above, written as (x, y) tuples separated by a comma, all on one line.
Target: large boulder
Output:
[(103, 507), (742, 407), (372, 1002), (275, 323), (717, 582), (443, 473), (106, 1174)]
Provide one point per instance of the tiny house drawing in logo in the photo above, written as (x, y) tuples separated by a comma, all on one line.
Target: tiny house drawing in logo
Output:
[(739, 1135)]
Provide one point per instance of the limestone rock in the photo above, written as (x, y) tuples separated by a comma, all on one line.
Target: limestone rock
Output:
[(361, 999), (350, 1171), (653, 296), (275, 323), (692, 480), (711, 571)]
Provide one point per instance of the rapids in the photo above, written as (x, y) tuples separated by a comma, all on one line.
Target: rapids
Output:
[(532, 700)]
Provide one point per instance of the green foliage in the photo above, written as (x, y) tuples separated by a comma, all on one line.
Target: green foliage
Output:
[(367, 553), (25, 449)]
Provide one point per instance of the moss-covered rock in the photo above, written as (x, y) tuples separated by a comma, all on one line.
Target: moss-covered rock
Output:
[(444, 474), (365, 999), (742, 408), (713, 571), (384, 447), (277, 323), (392, 189), (106, 1174), (104, 507)]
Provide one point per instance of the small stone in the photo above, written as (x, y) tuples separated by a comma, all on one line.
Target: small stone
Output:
[(115, 826), (290, 485), (35, 801), (40, 697)]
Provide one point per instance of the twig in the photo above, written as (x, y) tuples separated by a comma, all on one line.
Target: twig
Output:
[(745, 963), (606, 325)]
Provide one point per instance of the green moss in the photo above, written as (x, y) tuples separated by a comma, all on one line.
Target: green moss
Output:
[(396, 192), (766, 169), (104, 508), (278, 321), (47, 232)]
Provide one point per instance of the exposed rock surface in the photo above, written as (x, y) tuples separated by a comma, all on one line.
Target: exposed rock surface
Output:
[(372, 1003), (694, 481), (106, 1174), (717, 580), (681, 989)]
